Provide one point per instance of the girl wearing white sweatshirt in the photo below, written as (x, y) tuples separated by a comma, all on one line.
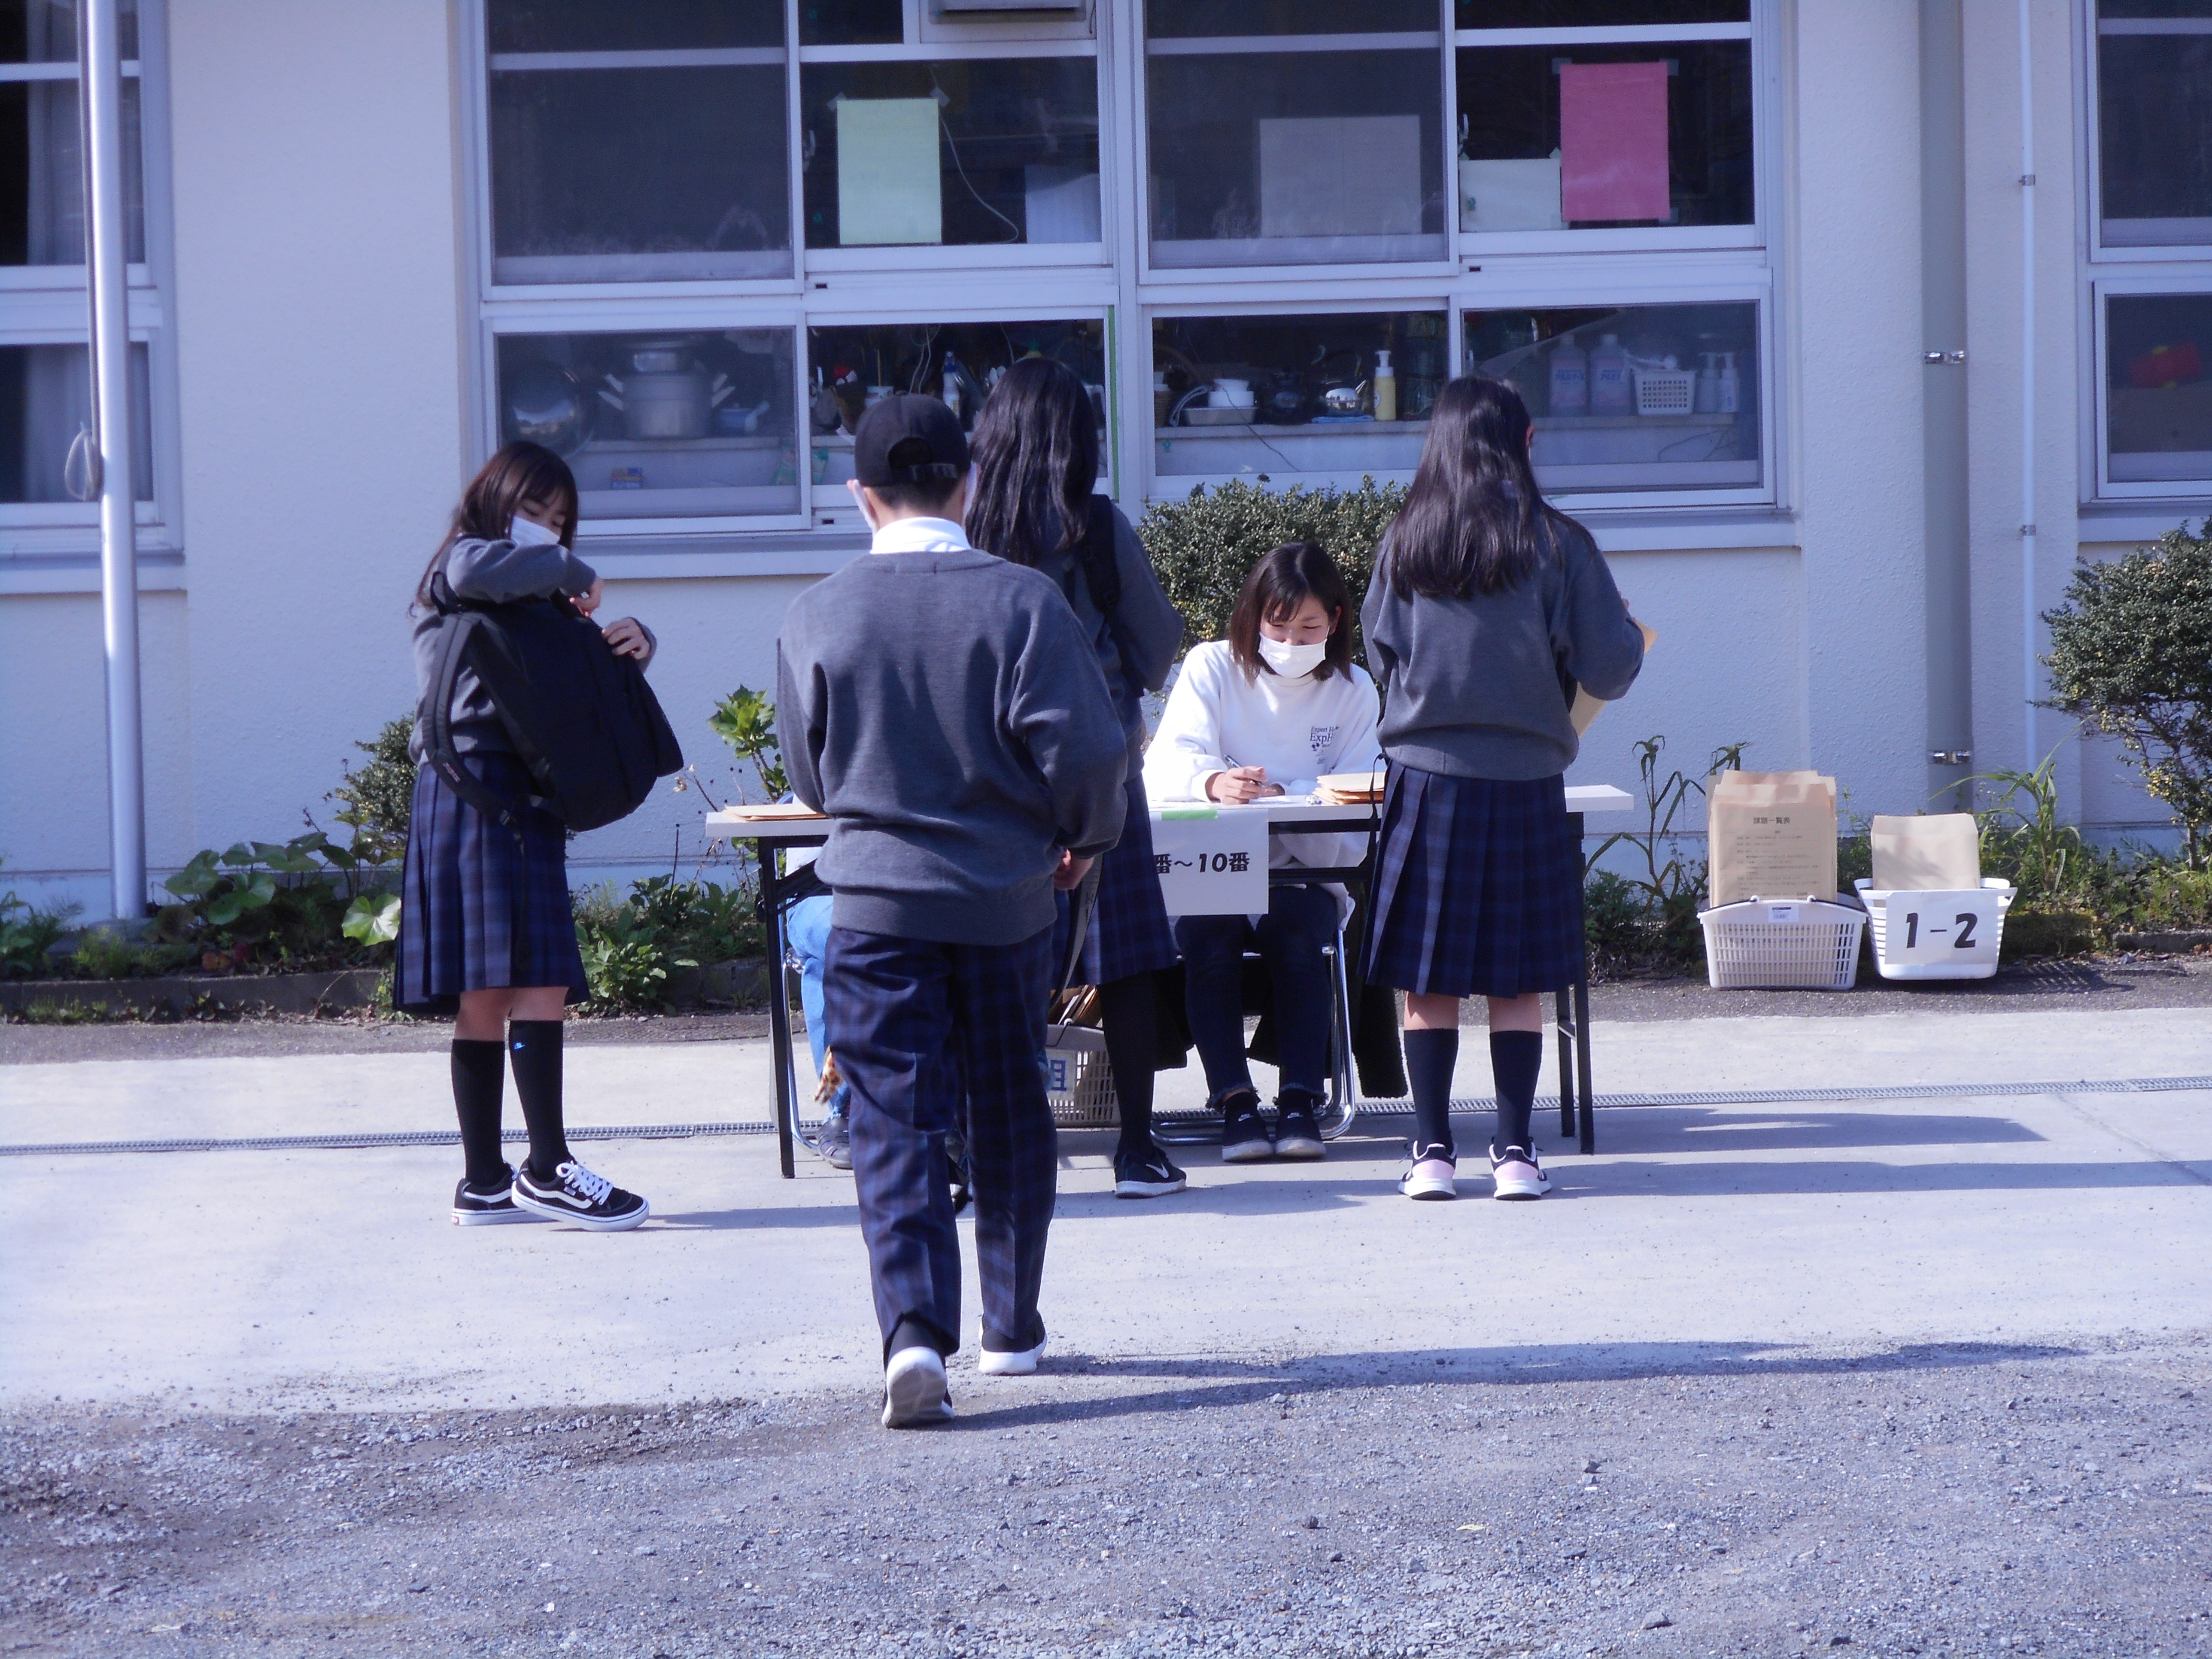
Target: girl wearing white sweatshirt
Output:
[(1269, 711)]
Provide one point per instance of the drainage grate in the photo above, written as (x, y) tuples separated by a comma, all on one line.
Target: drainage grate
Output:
[(2136, 1086)]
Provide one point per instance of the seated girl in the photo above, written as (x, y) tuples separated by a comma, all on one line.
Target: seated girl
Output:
[(1269, 711)]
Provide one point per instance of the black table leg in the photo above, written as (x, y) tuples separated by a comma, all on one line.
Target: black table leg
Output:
[(1586, 1128), (779, 1003), (1562, 1009)]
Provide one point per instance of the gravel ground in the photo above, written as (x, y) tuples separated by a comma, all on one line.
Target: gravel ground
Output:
[(2051, 1498), (2112, 982)]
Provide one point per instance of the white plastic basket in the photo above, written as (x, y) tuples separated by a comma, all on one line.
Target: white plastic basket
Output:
[(1077, 1081), (1799, 945), (1939, 933), (1665, 391)]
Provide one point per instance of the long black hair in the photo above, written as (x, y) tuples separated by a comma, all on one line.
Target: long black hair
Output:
[(1036, 462), (1475, 521), (1282, 581), (520, 472)]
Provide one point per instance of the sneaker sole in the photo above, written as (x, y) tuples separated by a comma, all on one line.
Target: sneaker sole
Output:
[(491, 1217), (1147, 1189), (1428, 1191), (1520, 1192), (621, 1224), (1010, 1364), (1300, 1149), (1257, 1151), (916, 1398)]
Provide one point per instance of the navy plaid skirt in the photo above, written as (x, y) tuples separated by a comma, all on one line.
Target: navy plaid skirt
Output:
[(1477, 887), (484, 909), (1129, 932)]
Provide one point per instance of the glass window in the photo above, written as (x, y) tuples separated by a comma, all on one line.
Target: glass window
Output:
[(972, 152), (46, 400), (660, 425), (851, 22), (1632, 398), (41, 153), (1596, 13), (2159, 400), (853, 367), (1294, 132), (2155, 122), (1569, 138), (644, 141), (1347, 393)]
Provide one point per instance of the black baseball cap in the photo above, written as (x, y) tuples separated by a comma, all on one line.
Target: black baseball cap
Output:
[(909, 439)]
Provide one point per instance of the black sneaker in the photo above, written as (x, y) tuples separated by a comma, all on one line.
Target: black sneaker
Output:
[(1296, 1134), (834, 1141), (576, 1194), (1148, 1174), (1244, 1131), (489, 1207)]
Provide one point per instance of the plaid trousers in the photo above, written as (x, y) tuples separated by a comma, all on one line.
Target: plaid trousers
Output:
[(927, 1034)]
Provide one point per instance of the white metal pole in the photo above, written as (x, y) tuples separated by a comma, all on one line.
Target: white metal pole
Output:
[(2029, 678), (108, 270)]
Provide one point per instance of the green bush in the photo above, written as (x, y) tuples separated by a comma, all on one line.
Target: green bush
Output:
[(375, 801), (634, 946), (27, 933), (1205, 545)]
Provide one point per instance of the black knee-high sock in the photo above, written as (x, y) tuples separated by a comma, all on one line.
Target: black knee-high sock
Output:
[(533, 1049), (479, 1078), (1429, 1057), (1126, 1010), (1515, 1058)]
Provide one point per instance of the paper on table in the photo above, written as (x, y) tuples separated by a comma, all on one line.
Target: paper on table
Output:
[(1587, 707), (1613, 141), (1942, 852), (889, 188)]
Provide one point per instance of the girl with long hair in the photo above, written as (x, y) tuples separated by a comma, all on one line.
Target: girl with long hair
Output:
[(1271, 709), (486, 934), (1033, 503), (1487, 608)]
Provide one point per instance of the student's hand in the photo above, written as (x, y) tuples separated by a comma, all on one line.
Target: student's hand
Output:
[(1240, 784), (1072, 870), (628, 638), (588, 602)]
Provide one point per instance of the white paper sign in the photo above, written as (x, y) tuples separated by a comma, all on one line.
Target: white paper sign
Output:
[(888, 189), (1212, 866), (1958, 926)]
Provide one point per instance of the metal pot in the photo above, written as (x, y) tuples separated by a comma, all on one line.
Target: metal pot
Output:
[(666, 405)]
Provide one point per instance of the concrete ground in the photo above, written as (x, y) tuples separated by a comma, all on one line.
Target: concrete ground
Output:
[(1714, 1274)]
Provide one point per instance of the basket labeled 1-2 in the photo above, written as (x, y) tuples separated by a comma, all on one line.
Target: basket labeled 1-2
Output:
[(1938, 933)]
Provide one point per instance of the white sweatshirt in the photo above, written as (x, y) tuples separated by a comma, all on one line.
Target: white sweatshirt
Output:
[(1300, 730)]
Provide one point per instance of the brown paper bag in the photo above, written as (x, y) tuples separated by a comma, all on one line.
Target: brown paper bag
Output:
[(1940, 853), (1586, 708), (1770, 835)]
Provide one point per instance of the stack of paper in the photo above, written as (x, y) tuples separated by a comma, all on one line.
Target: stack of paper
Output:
[(1351, 789)]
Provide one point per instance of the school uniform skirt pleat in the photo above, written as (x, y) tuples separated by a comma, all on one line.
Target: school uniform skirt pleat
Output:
[(482, 907), (1129, 932), (1477, 887)]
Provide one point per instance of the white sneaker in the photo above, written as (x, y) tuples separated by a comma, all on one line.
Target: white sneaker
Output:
[(1517, 1174), (914, 1393), (1020, 1363), (1431, 1173)]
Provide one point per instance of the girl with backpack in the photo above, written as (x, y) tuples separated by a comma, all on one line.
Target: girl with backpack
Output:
[(1033, 502), (1486, 610), (486, 933)]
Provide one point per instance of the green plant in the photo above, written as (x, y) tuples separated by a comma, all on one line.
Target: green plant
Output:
[(372, 919), (375, 800), (2132, 655), (745, 719), (2022, 838), (27, 933), (270, 904), (632, 946), (1204, 545)]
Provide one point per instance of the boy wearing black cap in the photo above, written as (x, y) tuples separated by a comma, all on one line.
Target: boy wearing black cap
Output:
[(942, 706)]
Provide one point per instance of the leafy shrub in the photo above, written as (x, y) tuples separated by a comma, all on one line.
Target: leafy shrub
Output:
[(27, 933), (304, 902), (1205, 545), (374, 801), (2131, 654), (633, 947), (745, 719)]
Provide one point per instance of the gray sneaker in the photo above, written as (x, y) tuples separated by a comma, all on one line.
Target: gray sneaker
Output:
[(834, 1141)]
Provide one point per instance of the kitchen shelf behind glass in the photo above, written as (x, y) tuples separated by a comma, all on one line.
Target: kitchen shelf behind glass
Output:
[(1311, 447)]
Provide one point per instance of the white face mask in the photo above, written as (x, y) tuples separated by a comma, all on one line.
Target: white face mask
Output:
[(528, 532), (1293, 661)]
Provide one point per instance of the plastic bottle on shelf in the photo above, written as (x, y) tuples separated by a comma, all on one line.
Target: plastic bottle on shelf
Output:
[(1386, 388), (1610, 390), (1569, 379), (963, 395), (1729, 391), (1708, 399)]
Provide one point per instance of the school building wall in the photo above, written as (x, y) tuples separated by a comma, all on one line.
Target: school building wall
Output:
[(324, 324)]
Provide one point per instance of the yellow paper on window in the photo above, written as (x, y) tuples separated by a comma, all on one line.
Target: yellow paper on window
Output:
[(889, 187)]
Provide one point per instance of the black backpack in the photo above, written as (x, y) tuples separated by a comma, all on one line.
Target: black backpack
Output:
[(1094, 556), (582, 718)]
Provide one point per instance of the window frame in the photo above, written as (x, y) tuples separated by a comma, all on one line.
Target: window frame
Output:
[(49, 305), (2089, 103), (2168, 282)]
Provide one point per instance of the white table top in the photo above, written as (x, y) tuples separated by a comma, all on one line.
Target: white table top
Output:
[(1581, 797)]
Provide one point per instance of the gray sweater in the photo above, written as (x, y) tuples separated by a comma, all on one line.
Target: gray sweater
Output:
[(493, 573), (1471, 688), (1152, 626), (946, 711)]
